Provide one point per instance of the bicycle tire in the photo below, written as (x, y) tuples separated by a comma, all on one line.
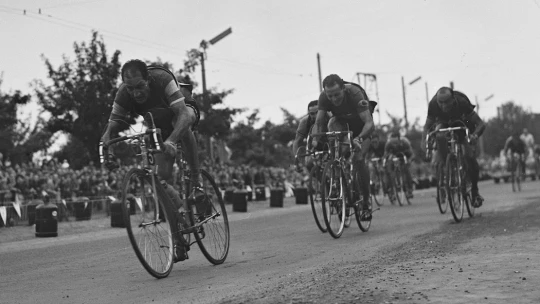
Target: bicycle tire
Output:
[(213, 236), (377, 188), (364, 225), (315, 197), (442, 194), (453, 187), (333, 198), (468, 201), (397, 184), (156, 231)]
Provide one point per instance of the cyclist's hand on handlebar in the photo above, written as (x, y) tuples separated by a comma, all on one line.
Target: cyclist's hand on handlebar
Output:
[(357, 144), (473, 138), (170, 149)]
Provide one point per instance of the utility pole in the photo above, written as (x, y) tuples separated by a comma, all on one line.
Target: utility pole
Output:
[(451, 85), (373, 78), (204, 45), (319, 68), (404, 105)]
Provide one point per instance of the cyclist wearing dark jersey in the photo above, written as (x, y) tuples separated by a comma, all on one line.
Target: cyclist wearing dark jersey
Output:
[(351, 110), (305, 127), (376, 148), (147, 89), (396, 146), (445, 108), (515, 144)]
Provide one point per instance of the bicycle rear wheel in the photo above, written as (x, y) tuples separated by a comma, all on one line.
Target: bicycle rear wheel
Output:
[(150, 224), (333, 198), (315, 197), (442, 195), (377, 189), (453, 186), (211, 222)]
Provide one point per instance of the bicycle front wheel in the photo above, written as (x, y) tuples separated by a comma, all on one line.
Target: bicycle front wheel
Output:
[(442, 195), (148, 217), (315, 197), (397, 184), (519, 175), (211, 222), (333, 198), (453, 186)]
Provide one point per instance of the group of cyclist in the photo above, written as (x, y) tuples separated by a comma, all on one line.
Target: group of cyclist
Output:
[(346, 106)]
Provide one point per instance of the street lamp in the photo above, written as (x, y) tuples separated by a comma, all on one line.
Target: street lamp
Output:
[(405, 99), (204, 45)]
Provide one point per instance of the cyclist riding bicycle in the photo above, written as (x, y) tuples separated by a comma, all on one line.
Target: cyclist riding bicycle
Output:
[(399, 146), (351, 111), (152, 89), (305, 127), (444, 109), (515, 144)]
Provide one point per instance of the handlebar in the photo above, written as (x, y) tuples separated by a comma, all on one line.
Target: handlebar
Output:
[(154, 132)]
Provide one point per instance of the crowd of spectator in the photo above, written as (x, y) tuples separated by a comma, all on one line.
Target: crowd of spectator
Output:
[(53, 178)]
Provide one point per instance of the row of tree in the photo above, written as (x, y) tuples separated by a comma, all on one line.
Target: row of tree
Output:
[(77, 99)]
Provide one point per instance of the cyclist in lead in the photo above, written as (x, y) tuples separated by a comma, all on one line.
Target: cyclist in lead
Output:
[(352, 111), (396, 146), (446, 107), (149, 89)]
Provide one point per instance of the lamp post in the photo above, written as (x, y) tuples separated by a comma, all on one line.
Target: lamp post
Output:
[(204, 45), (405, 99)]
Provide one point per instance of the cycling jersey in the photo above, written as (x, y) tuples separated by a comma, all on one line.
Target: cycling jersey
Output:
[(515, 145), (461, 111), (399, 145), (355, 101), (378, 150), (164, 92), (306, 124)]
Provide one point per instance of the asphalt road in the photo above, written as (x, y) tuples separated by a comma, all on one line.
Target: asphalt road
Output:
[(269, 246)]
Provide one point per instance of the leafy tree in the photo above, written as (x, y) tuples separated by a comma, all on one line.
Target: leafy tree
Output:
[(20, 138), (79, 96)]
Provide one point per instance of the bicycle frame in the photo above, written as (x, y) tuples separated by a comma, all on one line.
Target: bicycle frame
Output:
[(147, 154)]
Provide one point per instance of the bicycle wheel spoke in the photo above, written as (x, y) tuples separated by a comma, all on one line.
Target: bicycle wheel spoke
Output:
[(151, 237), (213, 233)]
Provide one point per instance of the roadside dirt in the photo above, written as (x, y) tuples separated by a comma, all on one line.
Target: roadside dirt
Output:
[(492, 258)]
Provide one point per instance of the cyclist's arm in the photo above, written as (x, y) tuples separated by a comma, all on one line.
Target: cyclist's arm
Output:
[(319, 126), (181, 120), (430, 122), (118, 115), (300, 135), (297, 141), (369, 126), (478, 122)]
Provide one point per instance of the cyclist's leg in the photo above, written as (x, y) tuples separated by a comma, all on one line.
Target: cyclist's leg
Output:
[(473, 169), (408, 177), (189, 142), (363, 170), (387, 172), (165, 167)]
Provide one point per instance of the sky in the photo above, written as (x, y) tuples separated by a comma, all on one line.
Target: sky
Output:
[(485, 47)]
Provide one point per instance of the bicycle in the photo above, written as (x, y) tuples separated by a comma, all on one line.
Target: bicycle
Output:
[(314, 185), (442, 195), (516, 171), (341, 197), (458, 186), (157, 225), (378, 187), (397, 179)]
